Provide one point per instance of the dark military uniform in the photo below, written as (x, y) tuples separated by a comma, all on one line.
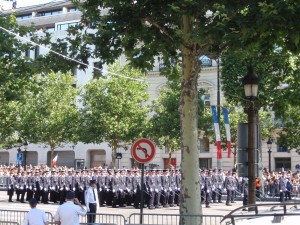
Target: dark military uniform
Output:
[(208, 185), (46, 187), (150, 183), (37, 186), (173, 188), (229, 185), (136, 188), (54, 190), (165, 181), (102, 188), (158, 189), (10, 186), (23, 186), (30, 186)]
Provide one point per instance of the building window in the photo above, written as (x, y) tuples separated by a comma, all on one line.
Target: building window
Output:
[(50, 13), (205, 163), (27, 53), (22, 17), (73, 9), (282, 164), (50, 29), (66, 26), (36, 52)]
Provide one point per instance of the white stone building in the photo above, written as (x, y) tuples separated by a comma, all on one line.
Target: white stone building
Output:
[(56, 17)]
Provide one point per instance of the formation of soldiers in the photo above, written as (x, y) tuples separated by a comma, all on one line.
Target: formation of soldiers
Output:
[(120, 188), (116, 188)]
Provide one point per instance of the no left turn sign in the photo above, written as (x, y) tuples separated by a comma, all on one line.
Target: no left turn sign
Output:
[(143, 150)]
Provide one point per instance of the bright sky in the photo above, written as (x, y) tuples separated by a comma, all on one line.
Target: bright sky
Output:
[(7, 4)]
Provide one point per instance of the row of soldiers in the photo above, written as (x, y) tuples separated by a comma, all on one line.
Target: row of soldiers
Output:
[(119, 188), (116, 188)]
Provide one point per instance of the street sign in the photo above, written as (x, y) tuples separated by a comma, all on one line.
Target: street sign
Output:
[(19, 158), (143, 150)]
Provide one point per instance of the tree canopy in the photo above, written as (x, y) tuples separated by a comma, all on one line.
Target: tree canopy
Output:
[(114, 108), (47, 111)]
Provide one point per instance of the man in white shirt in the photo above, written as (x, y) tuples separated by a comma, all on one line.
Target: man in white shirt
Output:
[(91, 201), (35, 216), (68, 213)]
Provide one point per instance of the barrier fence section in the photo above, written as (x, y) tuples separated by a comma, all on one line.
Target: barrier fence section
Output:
[(173, 219), (17, 217), (8, 223), (105, 219)]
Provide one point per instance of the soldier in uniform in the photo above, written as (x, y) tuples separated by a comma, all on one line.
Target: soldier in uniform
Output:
[(208, 185), (158, 189), (37, 185), (165, 181), (172, 188), (178, 185), (62, 187), (77, 185), (83, 186), (23, 186), (202, 181), (115, 188), (46, 187), (122, 188), (109, 190), (30, 186), (102, 187), (220, 184), (54, 194), (150, 184), (129, 193), (229, 185), (136, 188), (10, 186), (18, 185)]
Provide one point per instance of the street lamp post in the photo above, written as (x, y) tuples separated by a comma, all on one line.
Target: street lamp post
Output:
[(25, 153), (250, 83), (269, 144)]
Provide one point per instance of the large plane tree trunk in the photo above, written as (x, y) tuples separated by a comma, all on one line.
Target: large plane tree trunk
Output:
[(190, 187)]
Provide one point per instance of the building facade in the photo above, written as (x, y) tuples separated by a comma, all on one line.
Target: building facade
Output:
[(56, 17)]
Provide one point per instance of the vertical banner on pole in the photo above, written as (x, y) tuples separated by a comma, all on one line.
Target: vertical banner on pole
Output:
[(227, 128), (217, 131)]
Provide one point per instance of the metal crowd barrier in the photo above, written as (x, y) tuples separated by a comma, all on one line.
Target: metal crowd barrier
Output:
[(8, 223), (173, 219), (17, 217), (105, 219)]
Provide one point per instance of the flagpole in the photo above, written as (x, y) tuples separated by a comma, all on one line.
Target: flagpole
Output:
[(219, 159)]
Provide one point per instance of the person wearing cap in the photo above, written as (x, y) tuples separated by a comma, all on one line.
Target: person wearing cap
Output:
[(91, 201), (208, 185), (69, 212), (10, 186), (35, 216), (229, 185)]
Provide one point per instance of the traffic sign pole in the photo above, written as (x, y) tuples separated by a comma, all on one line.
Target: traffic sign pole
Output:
[(143, 151), (142, 194)]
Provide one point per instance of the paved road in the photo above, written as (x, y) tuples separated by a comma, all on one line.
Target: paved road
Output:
[(216, 209)]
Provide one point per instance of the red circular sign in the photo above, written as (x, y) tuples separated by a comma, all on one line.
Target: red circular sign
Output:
[(143, 150)]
